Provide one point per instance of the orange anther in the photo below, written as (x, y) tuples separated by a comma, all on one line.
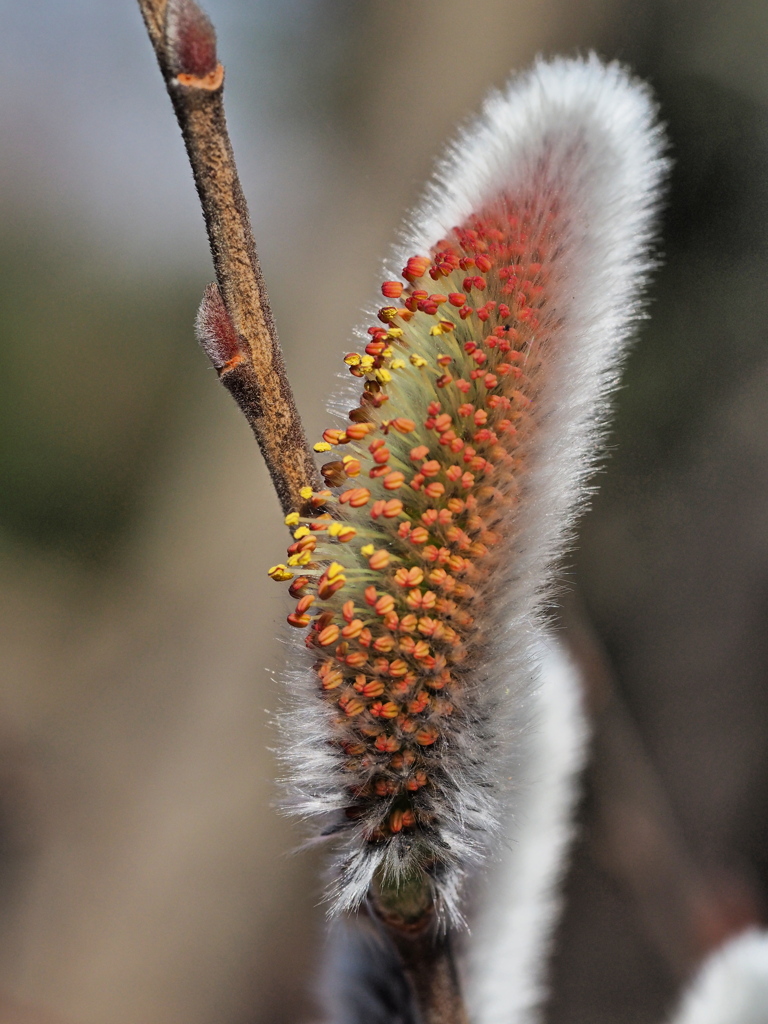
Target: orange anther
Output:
[(352, 629), (426, 736), (329, 635), (369, 687), (392, 289), (393, 481), (351, 706), (379, 559), (403, 425)]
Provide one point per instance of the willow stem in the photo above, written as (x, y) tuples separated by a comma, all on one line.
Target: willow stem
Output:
[(185, 46)]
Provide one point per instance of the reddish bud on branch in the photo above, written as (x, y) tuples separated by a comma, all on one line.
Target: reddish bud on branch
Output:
[(190, 40)]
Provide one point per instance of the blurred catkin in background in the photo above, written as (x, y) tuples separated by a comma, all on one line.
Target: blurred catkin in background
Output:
[(144, 876)]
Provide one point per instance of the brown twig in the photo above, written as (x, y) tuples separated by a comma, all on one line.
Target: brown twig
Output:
[(185, 45)]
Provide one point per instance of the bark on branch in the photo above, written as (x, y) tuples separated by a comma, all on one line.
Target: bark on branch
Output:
[(185, 44)]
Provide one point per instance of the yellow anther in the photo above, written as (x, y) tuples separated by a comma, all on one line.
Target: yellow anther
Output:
[(437, 329), (303, 531), (395, 332), (280, 573), (367, 550), (397, 364), (292, 519), (387, 352), (334, 570), (335, 529), (300, 558), (383, 376), (305, 493), (353, 359), (366, 363), (322, 446), (418, 361)]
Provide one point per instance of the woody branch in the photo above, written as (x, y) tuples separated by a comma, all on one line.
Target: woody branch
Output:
[(243, 344)]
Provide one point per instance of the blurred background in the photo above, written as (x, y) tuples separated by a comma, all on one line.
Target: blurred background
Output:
[(145, 877)]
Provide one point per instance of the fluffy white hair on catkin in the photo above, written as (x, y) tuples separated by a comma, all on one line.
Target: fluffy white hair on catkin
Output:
[(732, 985), (519, 902)]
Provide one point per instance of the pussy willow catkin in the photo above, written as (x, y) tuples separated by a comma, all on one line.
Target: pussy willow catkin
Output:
[(420, 572)]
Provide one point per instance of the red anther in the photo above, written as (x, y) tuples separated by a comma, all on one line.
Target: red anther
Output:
[(377, 509), (375, 348), (297, 586), (470, 347), (348, 610), (411, 304), (434, 408), (398, 668), (392, 508), (465, 312), (378, 471), (467, 481), (467, 284), (490, 381), (444, 360), (463, 385), (404, 530), (435, 489), (479, 283), (377, 443), (429, 518), (481, 417), (334, 437), (416, 267), (370, 596), (387, 744), (357, 431), (416, 481), (358, 658), (483, 263), (466, 409), (438, 299), (393, 481), (427, 736), (377, 333), (384, 644), (479, 357), (392, 289), (369, 687), (466, 263), (453, 473), (353, 629), (419, 535), (419, 453), (456, 299), (443, 422), (306, 603), (329, 635), (384, 604), (403, 425), (428, 306), (379, 559), (503, 310), (299, 620), (444, 381), (356, 496), (351, 706), (381, 455), (431, 468)]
